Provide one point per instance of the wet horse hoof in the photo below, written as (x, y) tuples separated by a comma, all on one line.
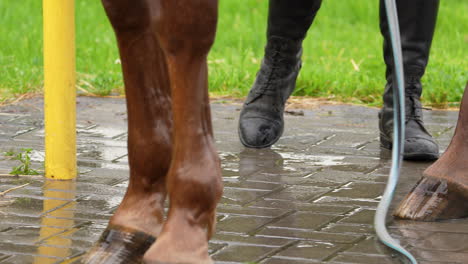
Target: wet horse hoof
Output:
[(119, 244), (434, 199)]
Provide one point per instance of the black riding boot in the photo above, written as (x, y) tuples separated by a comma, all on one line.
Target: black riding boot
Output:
[(261, 120), (417, 19)]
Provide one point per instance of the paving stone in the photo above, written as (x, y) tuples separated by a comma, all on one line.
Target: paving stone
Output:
[(240, 253), (409, 237), (243, 239), (433, 262), (307, 207), (297, 193), (311, 250), (284, 179), (101, 203), (349, 228), (102, 175), (23, 235), (355, 202), (241, 196), (103, 153), (285, 260), (90, 189), (442, 256), (452, 242), (308, 235), (242, 224), (230, 209), (3, 257), (360, 217), (454, 226), (303, 220), (252, 185), (22, 259), (25, 205), (370, 246), (215, 247), (359, 190), (13, 130), (17, 220), (7, 248), (364, 259)]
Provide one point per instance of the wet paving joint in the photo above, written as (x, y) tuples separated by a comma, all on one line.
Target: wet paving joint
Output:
[(309, 199)]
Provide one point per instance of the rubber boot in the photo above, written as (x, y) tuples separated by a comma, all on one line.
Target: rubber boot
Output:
[(417, 19), (261, 121)]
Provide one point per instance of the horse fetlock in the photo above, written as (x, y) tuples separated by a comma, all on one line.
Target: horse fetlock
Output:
[(200, 191)]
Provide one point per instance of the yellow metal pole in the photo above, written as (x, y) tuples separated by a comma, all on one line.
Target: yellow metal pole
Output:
[(59, 89)]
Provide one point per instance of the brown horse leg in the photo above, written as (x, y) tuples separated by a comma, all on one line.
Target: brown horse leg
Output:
[(442, 192), (138, 220), (186, 29)]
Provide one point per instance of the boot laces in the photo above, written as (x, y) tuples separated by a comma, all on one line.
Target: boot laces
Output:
[(414, 107), (276, 60), (272, 62)]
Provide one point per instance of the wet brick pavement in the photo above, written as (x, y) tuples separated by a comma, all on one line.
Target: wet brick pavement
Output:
[(309, 199)]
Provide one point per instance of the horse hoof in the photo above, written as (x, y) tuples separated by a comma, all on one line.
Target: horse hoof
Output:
[(434, 199), (119, 244)]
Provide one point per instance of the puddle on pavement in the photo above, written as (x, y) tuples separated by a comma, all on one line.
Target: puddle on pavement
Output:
[(57, 221), (101, 131), (37, 156), (313, 160), (255, 160)]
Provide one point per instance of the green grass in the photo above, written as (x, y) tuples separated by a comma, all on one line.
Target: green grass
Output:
[(344, 33)]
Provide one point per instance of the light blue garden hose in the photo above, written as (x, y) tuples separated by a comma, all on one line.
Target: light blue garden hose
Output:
[(398, 135)]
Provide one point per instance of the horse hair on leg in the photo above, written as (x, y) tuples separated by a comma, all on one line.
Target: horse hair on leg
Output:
[(186, 30), (139, 218), (164, 45)]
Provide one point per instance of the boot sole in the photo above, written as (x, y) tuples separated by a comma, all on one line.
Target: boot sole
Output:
[(386, 143)]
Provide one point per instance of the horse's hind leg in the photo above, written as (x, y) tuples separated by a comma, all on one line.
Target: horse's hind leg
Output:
[(186, 30), (442, 192), (138, 220)]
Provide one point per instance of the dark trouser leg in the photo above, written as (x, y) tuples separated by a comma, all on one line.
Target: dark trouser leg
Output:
[(261, 120), (291, 19), (417, 20)]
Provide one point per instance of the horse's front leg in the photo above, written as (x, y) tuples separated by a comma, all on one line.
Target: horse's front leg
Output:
[(442, 192), (186, 30), (138, 220)]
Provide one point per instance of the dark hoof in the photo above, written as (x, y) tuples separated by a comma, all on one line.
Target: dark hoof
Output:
[(119, 245), (434, 199)]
